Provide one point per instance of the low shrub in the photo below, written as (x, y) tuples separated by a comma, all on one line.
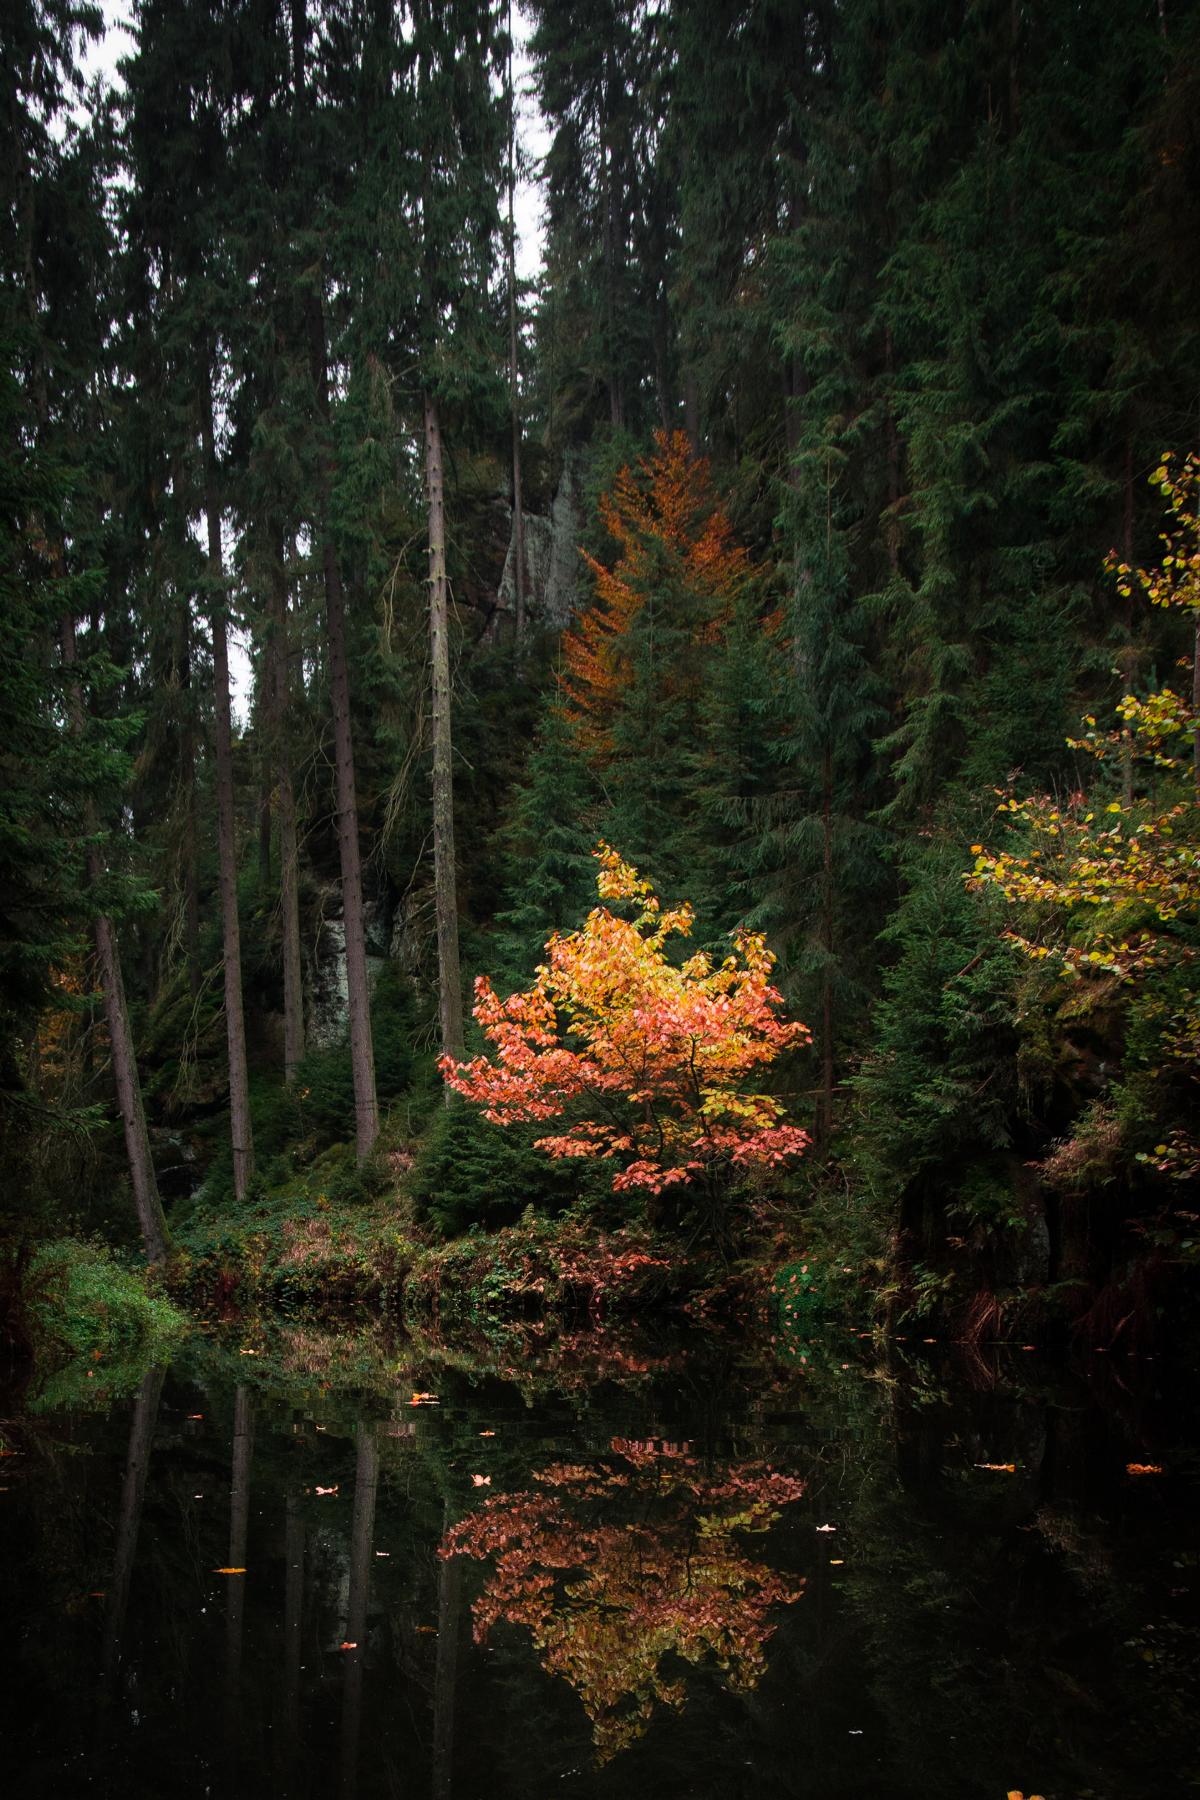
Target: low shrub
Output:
[(565, 1264), (76, 1299)]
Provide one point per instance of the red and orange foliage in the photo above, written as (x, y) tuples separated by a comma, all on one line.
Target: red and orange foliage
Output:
[(674, 535), (646, 1060), (614, 1565)]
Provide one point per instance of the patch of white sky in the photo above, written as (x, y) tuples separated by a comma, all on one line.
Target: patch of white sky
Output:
[(101, 61)]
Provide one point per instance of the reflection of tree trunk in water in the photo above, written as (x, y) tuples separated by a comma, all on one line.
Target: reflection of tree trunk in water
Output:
[(446, 1674), (293, 1621), (362, 1538), (133, 1489), (239, 1522)]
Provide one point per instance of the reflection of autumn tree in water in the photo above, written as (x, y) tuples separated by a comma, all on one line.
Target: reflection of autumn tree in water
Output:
[(613, 1567)]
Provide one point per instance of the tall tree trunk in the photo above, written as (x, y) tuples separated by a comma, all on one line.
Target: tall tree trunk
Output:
[(609, 200), (362, 1537), (514, 388), (235, 1025), (691, 409), (190, 873), (892, 440), (289, 866), (264, 827), (1129, 659), (444, 881), (362, 1051), (825, 1113), (124, 1064)]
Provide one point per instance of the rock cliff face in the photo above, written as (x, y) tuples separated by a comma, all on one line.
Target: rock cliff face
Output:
[(326, 986), (553, 566)]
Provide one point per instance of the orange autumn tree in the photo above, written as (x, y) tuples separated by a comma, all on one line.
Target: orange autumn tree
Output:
[(673, 536), (644, 1060), (616, 1566)]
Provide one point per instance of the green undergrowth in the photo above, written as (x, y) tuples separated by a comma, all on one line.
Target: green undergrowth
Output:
[(300, 1128), (80, 1302), (296, 1250), (564, 1265)]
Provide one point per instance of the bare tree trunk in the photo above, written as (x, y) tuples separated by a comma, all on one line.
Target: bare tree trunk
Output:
[(124, 1064), (362, 1537), (514, 388), (289, 866), (190, 872), (892, 440), (691, 409), (264, 827), (1130, 659), (825, 1113), (235, 1025), (444, 881), (616, 400), (362, 1052)]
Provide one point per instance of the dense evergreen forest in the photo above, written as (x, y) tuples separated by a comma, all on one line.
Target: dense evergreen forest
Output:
[(817, 530)]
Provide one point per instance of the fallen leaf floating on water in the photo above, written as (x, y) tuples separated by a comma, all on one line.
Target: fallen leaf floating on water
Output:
[(826, 1527), (481, 1481), (424, 1400), (329, 1490), (229, 1571), (1143, 1468), (999, 1469)]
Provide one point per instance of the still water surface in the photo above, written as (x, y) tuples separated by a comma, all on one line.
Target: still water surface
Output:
[(680, 1571)]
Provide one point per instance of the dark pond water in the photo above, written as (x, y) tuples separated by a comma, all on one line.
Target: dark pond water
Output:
[(681, 1571)]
